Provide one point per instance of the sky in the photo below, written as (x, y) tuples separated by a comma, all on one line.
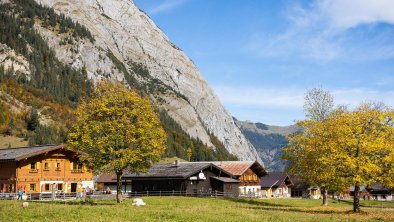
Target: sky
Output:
[(261, 57)]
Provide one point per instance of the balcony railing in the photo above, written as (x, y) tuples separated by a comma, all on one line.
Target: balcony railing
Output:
[(76, 171)]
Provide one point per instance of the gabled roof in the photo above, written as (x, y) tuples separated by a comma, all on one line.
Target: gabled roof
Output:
[(275, 180), (106, 178), (182, 171), (238, 168), (17, 154)]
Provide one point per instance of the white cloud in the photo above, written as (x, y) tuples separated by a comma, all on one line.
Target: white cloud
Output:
[(293, 98), (323, 31), (166, 5), (260, 97), (346, 14)]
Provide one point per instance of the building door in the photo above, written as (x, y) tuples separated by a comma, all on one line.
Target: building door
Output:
[(73, 187)]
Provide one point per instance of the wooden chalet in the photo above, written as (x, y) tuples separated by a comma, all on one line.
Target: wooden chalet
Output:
[(375, 191), (191, 178), (248, 172), (276, 185), (301, 189), (39, 168)]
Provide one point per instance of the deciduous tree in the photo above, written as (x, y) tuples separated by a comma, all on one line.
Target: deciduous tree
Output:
[(116, 129), (354, 148), (318, 105)]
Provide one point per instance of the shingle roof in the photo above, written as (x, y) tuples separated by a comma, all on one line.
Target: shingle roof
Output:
[(106, 178), (238, 168), (183, 170), (226, 179), (274, 180), (16, 154)]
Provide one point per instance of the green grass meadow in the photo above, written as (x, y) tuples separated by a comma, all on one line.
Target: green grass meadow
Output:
[(196, 209)]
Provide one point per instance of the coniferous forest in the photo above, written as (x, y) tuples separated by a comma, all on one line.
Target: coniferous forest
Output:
[(54, 89)]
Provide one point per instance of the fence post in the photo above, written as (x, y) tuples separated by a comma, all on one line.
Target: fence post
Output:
[(172, 192), (147, 193), (160, 192)]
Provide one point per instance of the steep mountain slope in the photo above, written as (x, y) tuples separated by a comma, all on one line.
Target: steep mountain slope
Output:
[(268, 141), (122, 43)]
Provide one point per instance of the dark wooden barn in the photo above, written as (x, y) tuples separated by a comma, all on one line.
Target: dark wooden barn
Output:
[(189, 178)]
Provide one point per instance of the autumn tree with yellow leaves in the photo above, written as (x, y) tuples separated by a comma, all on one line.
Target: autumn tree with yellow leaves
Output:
[(116, 129), (347, 148)]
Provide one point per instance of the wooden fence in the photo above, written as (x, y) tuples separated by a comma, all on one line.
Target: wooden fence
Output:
[(100, 196)]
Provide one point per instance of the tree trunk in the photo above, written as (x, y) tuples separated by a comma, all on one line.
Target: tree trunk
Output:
[(119, 186), (325, 195), (356, 199)]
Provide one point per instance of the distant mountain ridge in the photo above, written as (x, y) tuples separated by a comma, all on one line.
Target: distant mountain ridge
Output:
[(268, 140)]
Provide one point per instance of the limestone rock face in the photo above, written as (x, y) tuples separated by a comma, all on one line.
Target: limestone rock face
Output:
[(10, 60), (133, 38)]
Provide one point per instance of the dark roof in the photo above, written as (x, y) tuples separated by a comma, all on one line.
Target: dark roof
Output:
[(238, 168), (275, 180), (298, 182), (16, 154), (226, 179), (379, 187), (170, 170)]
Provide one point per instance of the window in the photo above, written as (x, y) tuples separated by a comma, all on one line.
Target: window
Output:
[(46, 166), (33, 167), (60, 186), (46, 187), (57, 166), (76, 167), (229, 186), (32, 187)]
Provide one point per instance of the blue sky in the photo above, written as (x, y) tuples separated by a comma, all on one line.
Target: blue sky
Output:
[(260, 57)]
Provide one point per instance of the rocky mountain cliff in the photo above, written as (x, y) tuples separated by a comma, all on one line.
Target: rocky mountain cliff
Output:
[(268, 141), (124, 44)]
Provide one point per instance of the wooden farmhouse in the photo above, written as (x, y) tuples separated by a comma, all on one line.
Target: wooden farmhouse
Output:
[(375, 191), (38, 169), (301, 189), (190, 178), (248, 172), (276, 185)]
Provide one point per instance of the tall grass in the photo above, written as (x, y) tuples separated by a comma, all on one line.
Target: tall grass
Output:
[(194, 209)]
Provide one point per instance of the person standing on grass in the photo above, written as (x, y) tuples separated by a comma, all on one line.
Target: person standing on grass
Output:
[(20, 193)]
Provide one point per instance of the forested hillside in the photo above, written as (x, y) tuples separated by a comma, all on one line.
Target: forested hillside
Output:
[(38, 93)]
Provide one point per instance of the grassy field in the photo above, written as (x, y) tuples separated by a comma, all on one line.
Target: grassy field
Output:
[(196, 209)]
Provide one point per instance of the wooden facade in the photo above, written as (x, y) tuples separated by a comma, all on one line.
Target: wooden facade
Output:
[(277, 185), (194, 178), (249, 174), (39, 169)]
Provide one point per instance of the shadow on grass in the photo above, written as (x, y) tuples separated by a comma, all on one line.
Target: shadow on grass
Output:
[(257, 203), (285, 208), (79, 202), (376, 204)]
